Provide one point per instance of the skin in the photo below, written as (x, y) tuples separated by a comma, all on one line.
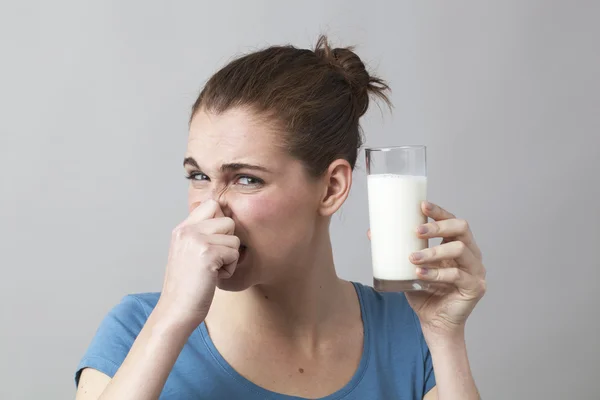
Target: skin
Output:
[(281, 305)]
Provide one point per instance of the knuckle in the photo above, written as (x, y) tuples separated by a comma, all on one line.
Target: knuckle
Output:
[(208, 252), (460, 248), (435, 227), (463, 225), (179, 231), (439, 276), (432, 252), (229, 223), (204, 246), (478, 254), (176, 232), (454, 274), (482, 287)]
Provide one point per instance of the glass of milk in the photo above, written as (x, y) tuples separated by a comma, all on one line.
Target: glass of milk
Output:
[(397, 184)]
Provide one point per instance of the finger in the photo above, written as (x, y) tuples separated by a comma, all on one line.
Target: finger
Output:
[(228, 258), (206, 210), (456, 251), (454, 276), (449, 228), (369, 234), (438, 214), (220, 225), (227, 271), (224, 240), (435, 212), (222, 255), (446, 228)]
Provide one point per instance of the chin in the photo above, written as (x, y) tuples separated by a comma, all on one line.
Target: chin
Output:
[(232, 285), (240, 280)]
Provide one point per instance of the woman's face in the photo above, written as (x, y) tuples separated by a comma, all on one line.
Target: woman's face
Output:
[(236, 159)]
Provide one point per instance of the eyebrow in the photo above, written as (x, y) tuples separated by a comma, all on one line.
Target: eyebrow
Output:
[(230, 167)]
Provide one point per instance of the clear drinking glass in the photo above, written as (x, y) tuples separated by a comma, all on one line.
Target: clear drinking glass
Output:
[(397, 184)]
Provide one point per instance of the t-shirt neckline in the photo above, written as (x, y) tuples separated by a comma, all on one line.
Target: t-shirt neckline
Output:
[(264, 393)]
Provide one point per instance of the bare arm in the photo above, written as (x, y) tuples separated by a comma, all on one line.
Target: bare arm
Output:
[(203, 249), (432, 394), (91, 384), (456, 264), (454, 380), (147, 366)]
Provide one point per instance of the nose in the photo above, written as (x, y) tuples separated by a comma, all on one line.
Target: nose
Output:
[(222, 198), (217, 194)]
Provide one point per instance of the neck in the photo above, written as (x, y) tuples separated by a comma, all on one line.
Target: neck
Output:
[(303, 305)]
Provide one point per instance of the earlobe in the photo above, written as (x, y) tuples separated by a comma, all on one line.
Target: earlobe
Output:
[(337, 180)]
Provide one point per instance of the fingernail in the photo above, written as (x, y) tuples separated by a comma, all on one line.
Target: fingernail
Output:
[(418, 256), (428, 206), (422, 271), (422, 229)]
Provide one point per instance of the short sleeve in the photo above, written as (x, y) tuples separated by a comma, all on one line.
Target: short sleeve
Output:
[(114, 338), (429, 375)]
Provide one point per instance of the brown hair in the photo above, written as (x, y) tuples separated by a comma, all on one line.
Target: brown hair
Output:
[(317, 97)]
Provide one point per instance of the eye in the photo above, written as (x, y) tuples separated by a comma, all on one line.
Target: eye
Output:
[(196, 176), (246, 180)]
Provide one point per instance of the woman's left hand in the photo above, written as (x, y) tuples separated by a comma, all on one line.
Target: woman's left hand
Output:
[(454, 267), (455, 270)]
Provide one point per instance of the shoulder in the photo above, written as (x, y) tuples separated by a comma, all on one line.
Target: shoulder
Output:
[(126, 318), (387, 305), (390, 317), (132, 311), (117, 332), (137, 304), (395, 337)]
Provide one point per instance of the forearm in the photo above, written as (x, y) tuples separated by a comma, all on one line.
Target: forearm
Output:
[(454, 380), (150, 360)]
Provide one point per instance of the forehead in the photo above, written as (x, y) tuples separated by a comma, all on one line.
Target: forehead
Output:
[(233, 135)]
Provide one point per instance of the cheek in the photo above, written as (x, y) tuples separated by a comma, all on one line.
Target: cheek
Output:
[(269, 211), (194, 198), (253, 211)]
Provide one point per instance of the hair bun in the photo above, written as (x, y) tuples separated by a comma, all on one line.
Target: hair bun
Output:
[(354, 72)]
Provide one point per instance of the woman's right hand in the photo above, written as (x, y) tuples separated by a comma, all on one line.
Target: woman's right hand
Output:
[(203, 249)]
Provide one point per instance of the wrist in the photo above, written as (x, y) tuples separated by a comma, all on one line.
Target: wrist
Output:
[(445, 339), (170, 317), (453, 375)]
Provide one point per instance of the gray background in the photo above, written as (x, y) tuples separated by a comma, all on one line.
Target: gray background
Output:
[(506, 94)]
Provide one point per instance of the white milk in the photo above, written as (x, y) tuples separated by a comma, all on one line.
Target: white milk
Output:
[(394, 214)]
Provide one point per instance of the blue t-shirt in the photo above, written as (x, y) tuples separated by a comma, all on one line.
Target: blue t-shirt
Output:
[(395, 363)]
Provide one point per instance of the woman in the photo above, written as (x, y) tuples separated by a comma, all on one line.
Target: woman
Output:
[(251, 306)]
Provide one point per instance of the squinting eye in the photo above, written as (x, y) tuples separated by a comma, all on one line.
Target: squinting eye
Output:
[(196, 176), (246, 180), (249, 181)]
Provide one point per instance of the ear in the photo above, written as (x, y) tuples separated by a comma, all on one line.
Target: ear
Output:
[(337, 182)]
